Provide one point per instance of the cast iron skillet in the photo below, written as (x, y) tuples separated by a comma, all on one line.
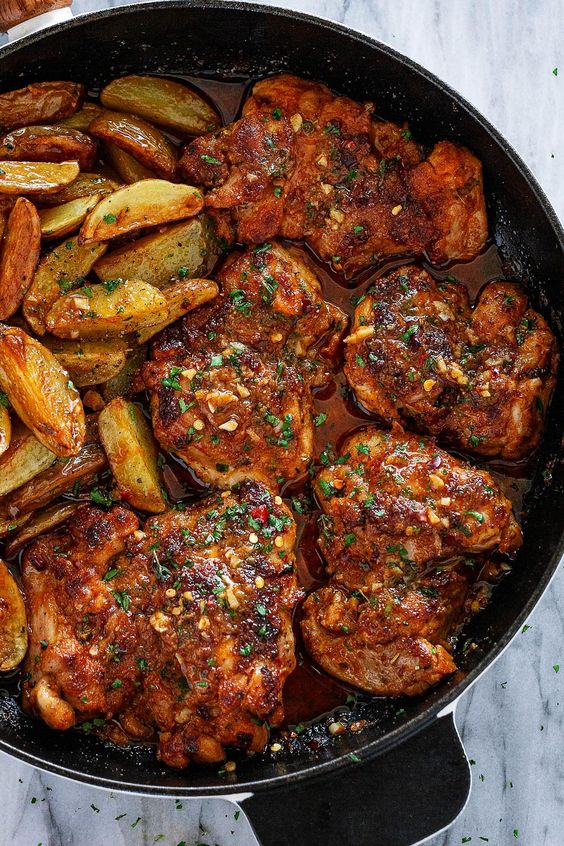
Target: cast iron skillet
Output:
[(406, 775)]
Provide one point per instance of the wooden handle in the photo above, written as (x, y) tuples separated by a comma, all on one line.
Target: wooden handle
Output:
[(14, 12)]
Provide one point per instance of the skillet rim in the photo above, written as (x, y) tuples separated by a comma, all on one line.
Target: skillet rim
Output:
[(446, 702)]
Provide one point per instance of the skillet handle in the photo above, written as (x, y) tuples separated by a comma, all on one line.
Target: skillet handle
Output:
[(398, 799), (15, 12)]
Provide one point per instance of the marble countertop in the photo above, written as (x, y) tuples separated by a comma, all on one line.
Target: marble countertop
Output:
[(501, 56)]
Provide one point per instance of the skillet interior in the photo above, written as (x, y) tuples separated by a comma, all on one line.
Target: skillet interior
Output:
[(235, 40)]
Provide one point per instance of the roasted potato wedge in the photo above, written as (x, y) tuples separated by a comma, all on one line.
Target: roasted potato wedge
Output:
[(8, 524), (61, 220), (82, 119), (36, 177), (147, 203), (126, 167), (7, 203), (168, 104), (89, 362), (121, 384), (25, 458), (20, 254), (40, 392), (40, 523), (181, 297), (132, 453), (5, 427), (138, 138), (85, 185), (61, 270), (13, 622), (59, 479), (108, 310), (49, 144), (40, 102), (180, 251)]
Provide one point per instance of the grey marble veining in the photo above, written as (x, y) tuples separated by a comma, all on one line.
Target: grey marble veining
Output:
[(500, 55)]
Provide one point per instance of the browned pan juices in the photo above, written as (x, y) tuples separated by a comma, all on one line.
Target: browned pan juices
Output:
[(310, 693)]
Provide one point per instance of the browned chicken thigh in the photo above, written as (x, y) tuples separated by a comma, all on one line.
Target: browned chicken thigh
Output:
[(183, 628), (304, 163), (481, 379), (400, 518), (231, 386)]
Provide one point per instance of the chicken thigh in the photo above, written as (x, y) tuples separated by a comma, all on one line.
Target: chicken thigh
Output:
[(183, 628), (400, 521)]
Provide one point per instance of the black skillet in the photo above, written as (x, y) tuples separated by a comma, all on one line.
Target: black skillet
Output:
[(405, 776)]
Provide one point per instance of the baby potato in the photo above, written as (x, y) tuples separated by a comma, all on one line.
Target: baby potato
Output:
[(126, 167), (40, 102), (36, 177), (13, 622), (89, 362), (20, 254), (60, 478), (138, 138), (85, 185), (82, 119), (181, 297), (132, 453), (168, 104), (61, 220), (5, 429), (182, 250), (49, 144), (25, 458), (107, 310), (61, 270), (40, 392), (40, 523), (121, 384), (147, 203)]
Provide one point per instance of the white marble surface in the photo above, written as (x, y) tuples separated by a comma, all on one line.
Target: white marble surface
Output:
[(500, 54)]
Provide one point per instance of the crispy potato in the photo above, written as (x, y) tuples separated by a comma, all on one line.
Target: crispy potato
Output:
[(183, 250), (147, 203), (5, 428), (40, 392), (36, 177), (20, 254), (59, 479), (40, 102), (162, 101), (82, 119), (61, 270), (13, 622), (89, 362), (122, 384), (132, 453), (181, 297), (126, 167), (7, 203), (107, 310), (138, 138), (24, 459), (49, 144), (43, 521), (85, 185), (61, 220)]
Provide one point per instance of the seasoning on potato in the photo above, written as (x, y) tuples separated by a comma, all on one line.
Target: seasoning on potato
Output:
[(107, 310), (59, 271)]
